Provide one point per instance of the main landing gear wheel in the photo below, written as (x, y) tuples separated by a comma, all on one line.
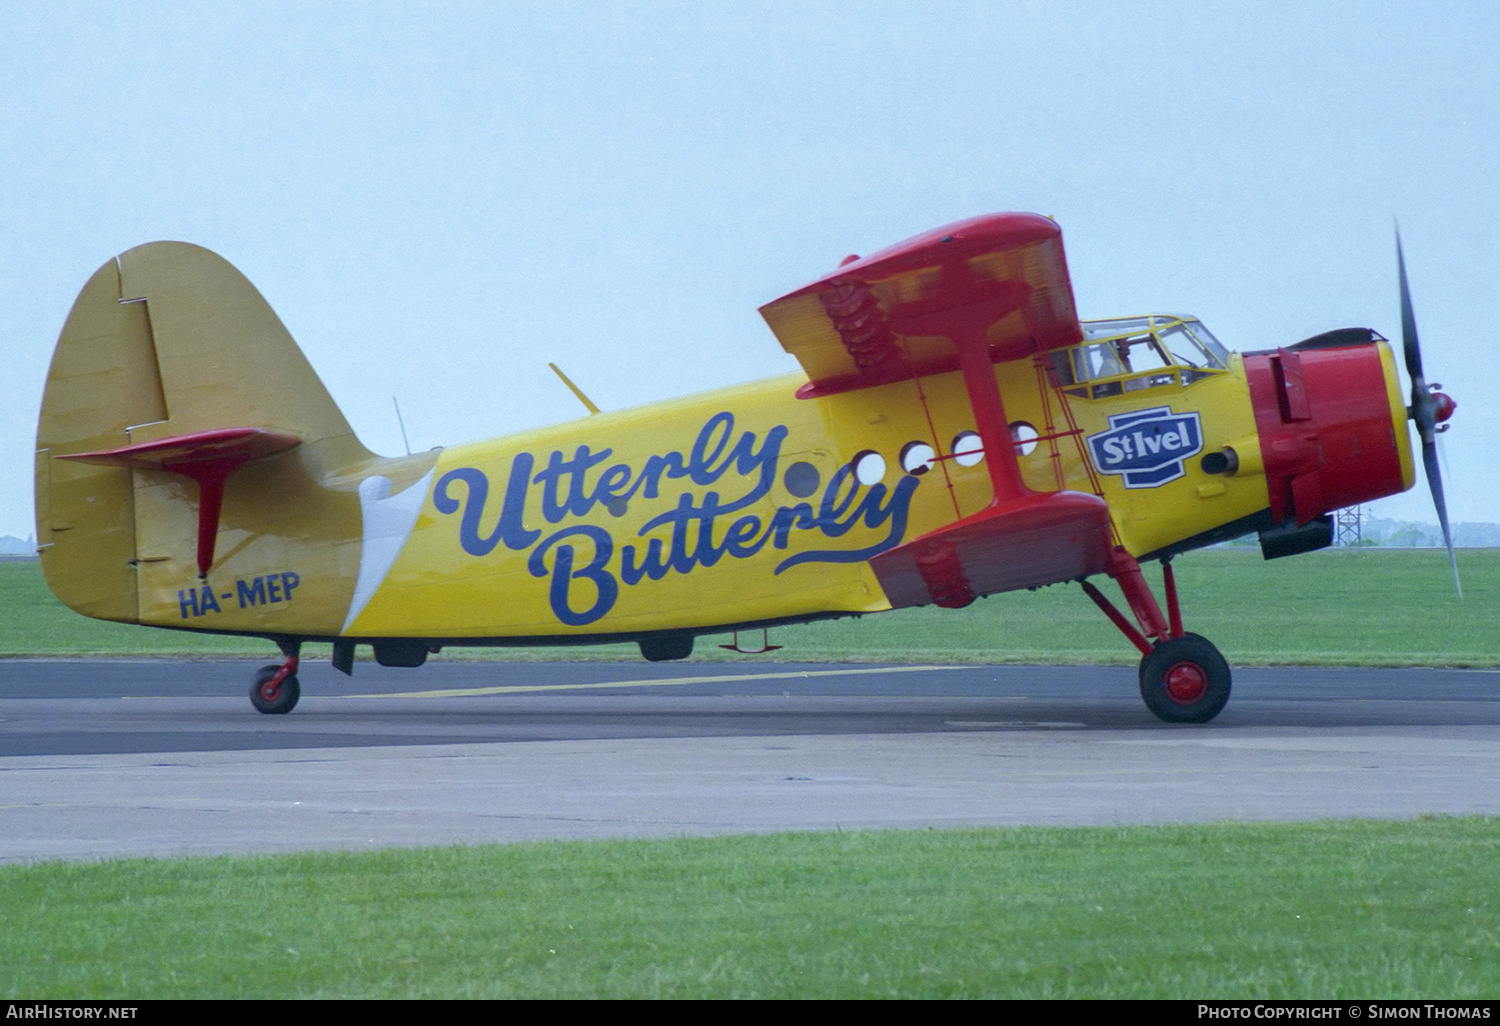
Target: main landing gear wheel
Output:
[(269, 697), (1185, 680)]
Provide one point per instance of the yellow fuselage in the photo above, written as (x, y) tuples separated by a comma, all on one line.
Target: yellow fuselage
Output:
[(733, 508)]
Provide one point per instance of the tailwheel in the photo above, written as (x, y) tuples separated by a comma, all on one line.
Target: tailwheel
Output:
[(1185, 680), (276, 689)]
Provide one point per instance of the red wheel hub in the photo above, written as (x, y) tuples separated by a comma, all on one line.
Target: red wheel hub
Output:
[(271, 689), (1185, 683)]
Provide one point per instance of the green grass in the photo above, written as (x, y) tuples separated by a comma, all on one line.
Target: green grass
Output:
[(1323, 910), (1337, 607), (1319, 910)]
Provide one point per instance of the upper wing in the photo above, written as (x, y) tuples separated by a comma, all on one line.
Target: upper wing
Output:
[(959, 298), (887, 317)]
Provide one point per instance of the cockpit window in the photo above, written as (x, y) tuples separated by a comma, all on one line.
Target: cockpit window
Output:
[(1192, 345), (1131, 353), (1141, 353), (1095, 361), (1119, 326), (1213, 345)]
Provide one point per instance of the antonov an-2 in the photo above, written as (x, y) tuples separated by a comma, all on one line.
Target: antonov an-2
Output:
[(957, 431)]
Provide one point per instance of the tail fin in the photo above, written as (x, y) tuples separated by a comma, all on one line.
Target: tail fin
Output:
[(165, 344)]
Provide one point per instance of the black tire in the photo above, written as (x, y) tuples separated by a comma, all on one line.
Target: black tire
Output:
[(285, 698), (1185, 680), (1141, 670), (665, 648)]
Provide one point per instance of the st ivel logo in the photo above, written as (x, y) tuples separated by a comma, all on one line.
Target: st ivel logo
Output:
[(1147, 447)]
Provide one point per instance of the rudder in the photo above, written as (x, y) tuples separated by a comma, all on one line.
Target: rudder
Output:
[(166, 341)]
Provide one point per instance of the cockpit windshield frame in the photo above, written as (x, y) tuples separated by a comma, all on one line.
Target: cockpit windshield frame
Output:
[(1126, 354)]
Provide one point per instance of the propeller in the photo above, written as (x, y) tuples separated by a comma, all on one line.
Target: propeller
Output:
[(1429, 407)]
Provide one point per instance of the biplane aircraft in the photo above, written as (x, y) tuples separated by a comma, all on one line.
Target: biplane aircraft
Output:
[(957, 432)]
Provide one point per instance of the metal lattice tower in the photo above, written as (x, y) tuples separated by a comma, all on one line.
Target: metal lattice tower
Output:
[(1347, 525)]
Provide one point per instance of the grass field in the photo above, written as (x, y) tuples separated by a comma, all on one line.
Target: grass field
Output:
[(1339, 607), (1322, 910)]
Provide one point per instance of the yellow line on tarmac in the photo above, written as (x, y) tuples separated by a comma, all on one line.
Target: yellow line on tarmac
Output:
[(515, 689)]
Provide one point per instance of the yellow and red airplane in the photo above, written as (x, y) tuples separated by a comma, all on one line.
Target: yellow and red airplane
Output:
[(957, 432)]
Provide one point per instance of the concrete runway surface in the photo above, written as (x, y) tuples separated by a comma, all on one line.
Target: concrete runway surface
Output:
[(111, 758)]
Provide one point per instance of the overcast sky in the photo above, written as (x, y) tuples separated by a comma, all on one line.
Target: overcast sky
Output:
[(440, 198)]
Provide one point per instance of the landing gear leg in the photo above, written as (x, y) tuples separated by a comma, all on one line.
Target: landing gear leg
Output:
[(1184, 678), (275, 689)]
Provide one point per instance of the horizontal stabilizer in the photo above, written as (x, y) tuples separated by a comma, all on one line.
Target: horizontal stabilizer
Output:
[(1042, 538), (207, 457), (180, 453)]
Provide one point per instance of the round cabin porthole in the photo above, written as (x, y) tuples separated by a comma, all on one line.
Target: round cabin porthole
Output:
[(917, 457), (1024, 436), (869, 467), (968, 449)]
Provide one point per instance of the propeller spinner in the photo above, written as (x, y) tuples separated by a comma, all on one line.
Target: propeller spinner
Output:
[(1429, 408)]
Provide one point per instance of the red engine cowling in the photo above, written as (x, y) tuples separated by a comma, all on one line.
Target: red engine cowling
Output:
[(1332, 427)]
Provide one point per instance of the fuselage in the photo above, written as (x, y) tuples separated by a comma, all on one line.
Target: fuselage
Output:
[(751, 506), (956, 431)]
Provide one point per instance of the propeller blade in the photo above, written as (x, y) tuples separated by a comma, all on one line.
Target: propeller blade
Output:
[(1424, 410), (1443, 458), (1435, 482), (1409, 343)]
